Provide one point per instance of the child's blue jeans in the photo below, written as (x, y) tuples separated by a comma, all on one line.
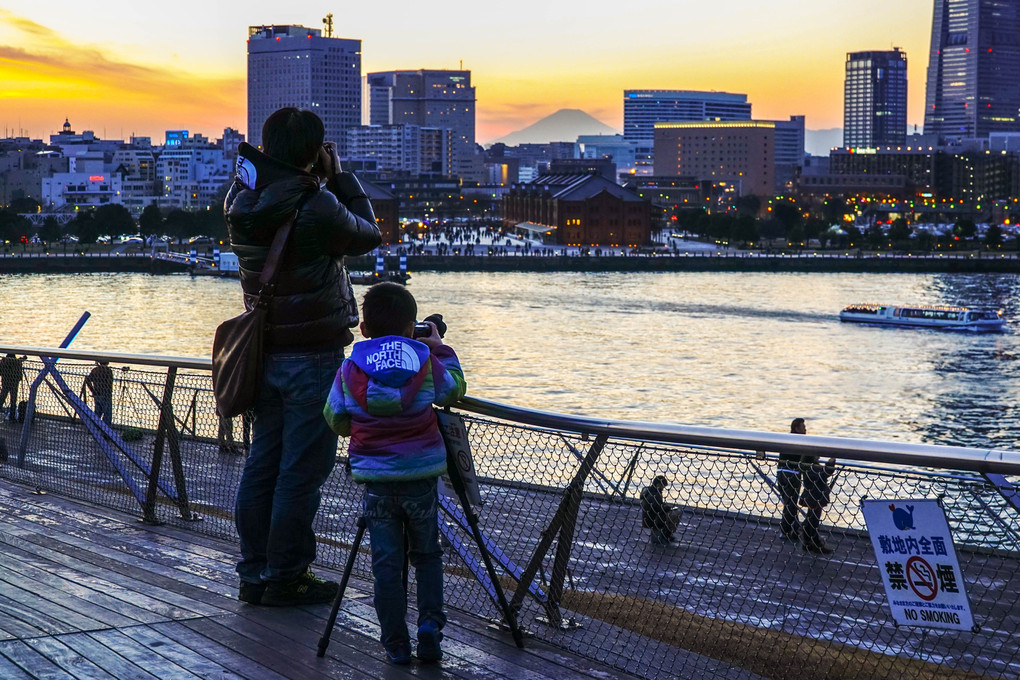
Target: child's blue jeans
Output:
[(391, 510)]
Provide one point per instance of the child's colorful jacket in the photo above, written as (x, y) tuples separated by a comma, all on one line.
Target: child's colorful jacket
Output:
[(382, 398)]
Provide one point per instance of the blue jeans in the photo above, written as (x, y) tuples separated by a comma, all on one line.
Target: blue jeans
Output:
[(393, 510), (293, 451)]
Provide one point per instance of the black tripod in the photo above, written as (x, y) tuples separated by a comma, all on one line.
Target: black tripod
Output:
[(472, 518)]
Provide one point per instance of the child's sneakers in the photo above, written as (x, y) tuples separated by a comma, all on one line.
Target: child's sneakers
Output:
[(429, 638), (399, 653)]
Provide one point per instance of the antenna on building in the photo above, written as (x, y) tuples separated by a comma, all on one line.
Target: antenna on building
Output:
[(328, 21), (461, 64)]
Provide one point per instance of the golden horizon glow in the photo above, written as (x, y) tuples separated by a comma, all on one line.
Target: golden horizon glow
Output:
[(135, 69)]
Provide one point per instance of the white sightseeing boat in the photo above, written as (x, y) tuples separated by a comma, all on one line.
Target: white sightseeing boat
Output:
[(946, 318)]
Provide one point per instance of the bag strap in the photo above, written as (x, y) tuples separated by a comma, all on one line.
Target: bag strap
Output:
[(271, 268), (272, 265)]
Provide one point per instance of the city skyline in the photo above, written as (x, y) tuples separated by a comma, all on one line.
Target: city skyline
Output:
[(138, 70)]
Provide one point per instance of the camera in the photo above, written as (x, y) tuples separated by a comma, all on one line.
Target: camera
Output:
[(422, 330)]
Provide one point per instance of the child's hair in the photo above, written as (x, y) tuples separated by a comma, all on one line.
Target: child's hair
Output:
[(388, 309)]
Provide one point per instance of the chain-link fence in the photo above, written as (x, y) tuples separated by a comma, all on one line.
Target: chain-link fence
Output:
[(561, 516)]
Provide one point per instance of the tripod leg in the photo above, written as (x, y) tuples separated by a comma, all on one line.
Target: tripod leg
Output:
[(472, 518), (358, 536)]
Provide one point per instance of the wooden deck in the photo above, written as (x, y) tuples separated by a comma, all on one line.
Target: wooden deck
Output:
[(87, 592)]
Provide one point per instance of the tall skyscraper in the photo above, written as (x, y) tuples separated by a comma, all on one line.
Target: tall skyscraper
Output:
[(642, 109), (430, 99), (875, 99), (297, 66), (973, 68)]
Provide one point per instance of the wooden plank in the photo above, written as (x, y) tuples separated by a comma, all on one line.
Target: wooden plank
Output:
[(33, 663), (179, 589), (125, 544), (158, 600), (458, 657), (16, 619), (148, 570), (493, 643), (11, 671), (350, 630), (76, 584), (75, 611), (156, 657), (71, 661), (145, 543), (118, 665), (277, 648), (35, 612), (174, 655), (303, 626), (189, 647)]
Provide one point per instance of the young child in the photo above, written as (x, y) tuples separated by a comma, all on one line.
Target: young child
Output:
[(382, 398)]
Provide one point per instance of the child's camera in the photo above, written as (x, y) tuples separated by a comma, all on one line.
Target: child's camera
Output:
[(422, 330)]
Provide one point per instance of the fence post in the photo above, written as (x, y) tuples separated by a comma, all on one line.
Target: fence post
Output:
[(562, 522), (166, 429)]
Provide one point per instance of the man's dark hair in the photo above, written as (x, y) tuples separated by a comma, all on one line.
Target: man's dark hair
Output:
[(660, 482), (797, 422), (293, 136), (389, 309)]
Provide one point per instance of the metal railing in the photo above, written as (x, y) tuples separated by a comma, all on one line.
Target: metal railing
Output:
[(562, 520)]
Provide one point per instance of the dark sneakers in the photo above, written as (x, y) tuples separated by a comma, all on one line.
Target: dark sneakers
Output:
[(251, 592), (429, 638), (305, 589), (399, 653)]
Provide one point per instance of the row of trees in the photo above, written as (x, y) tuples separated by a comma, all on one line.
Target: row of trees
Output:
[(785, 220), (110, 220)]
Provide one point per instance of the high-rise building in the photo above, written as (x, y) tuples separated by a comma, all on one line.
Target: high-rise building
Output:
[(297, 66), (741, 153), (642, 109), (973, 84), (875, 99), (429, 99), (402, 148)]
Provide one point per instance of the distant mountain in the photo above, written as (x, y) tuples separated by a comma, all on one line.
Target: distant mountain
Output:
[(819, 142), (566, 125)]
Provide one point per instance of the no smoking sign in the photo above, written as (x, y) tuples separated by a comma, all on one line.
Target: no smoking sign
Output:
[(917, 560)]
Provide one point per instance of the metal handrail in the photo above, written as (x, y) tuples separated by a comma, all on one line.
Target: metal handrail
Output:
[(989, 461), (116, 357), (900, 453)]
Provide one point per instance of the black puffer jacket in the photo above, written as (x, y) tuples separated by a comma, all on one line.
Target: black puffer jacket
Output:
[(314, 306)]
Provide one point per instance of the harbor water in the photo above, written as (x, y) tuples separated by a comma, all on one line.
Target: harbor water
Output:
[(731, 350)]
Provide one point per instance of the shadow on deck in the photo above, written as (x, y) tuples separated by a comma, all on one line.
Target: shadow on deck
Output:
[(92, 593)]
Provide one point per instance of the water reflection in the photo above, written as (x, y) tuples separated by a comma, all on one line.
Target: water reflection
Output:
[(735, 350)]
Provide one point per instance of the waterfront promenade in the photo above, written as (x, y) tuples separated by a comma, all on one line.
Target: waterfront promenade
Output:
[(479, 259), (730, 588), (87, 593)]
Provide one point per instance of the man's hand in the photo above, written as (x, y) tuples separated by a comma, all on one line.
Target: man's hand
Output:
[(327, 163)]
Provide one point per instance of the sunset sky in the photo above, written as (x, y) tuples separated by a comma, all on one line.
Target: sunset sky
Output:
[(122, 67)]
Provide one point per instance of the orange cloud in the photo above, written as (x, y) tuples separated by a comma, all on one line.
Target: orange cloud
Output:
[(47, 77)]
